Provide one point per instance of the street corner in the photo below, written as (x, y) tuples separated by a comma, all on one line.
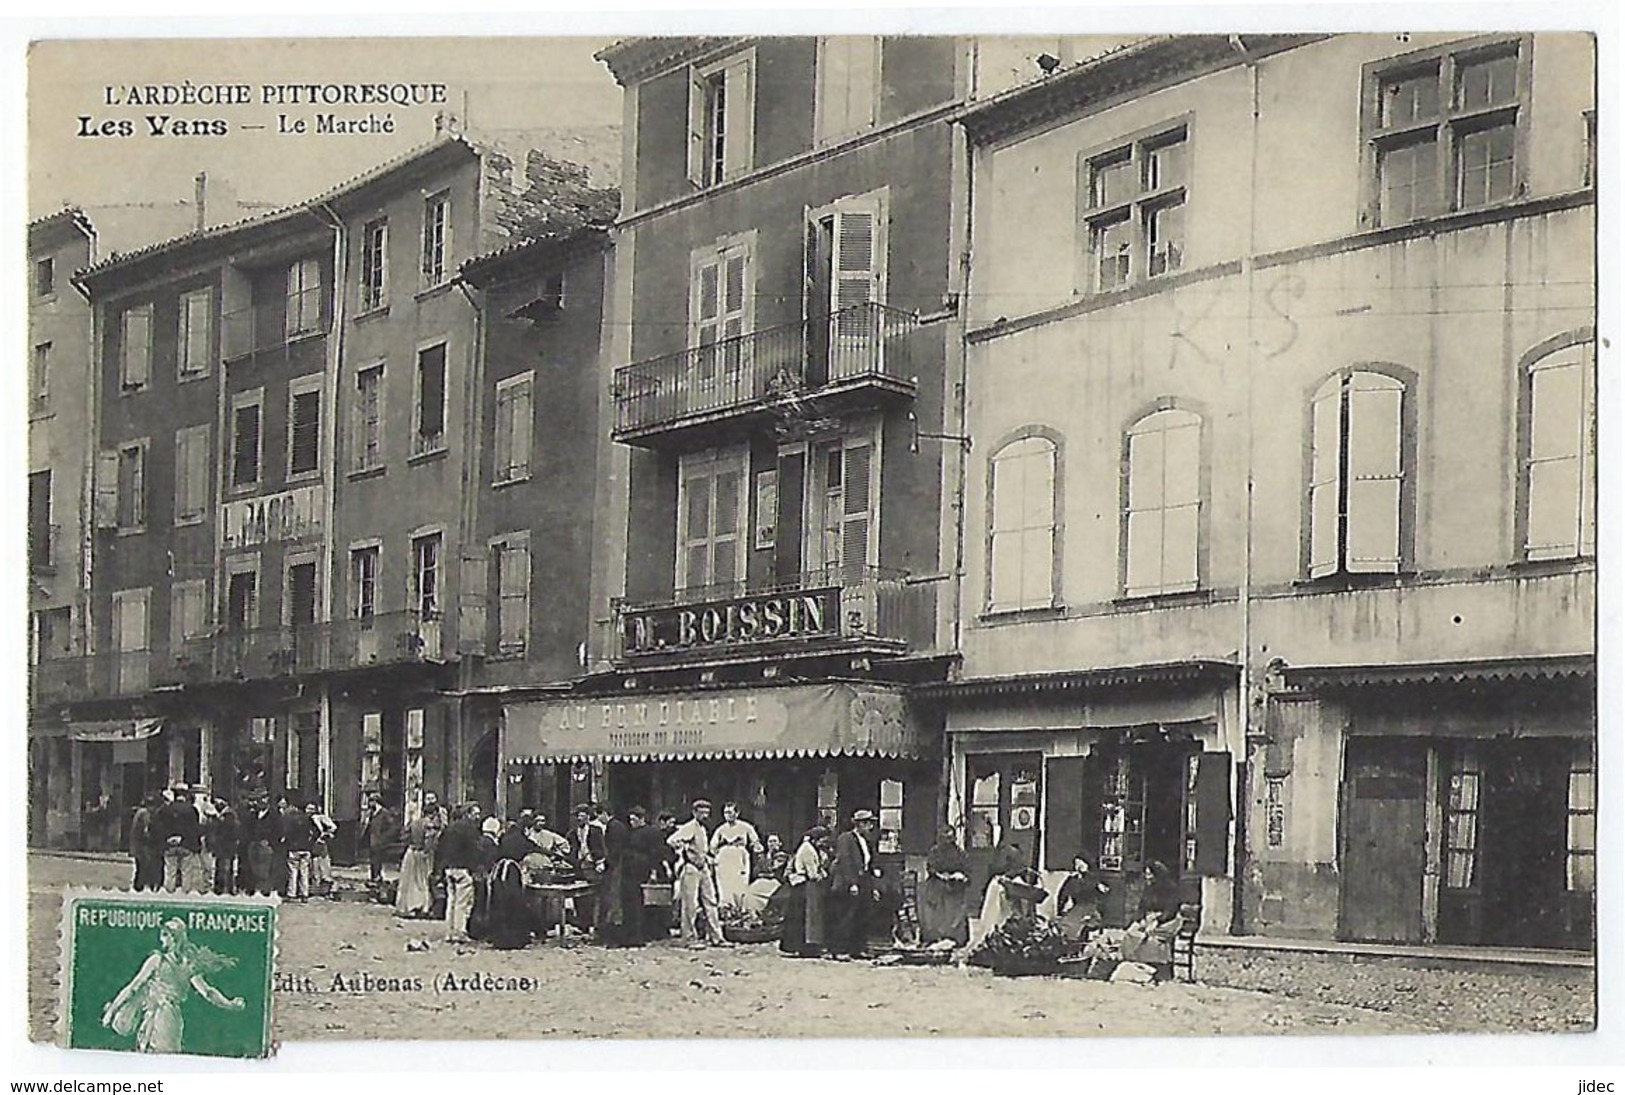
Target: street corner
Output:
[(167, 973)]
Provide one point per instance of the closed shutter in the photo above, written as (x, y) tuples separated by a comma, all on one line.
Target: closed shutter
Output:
[(1066, 828), (245, 446), (523, 414), (857, 511), (107, 488), (304, 430), (513, 594), (130, 620), (1374, 472), (1325, 460), (856, 282), (787, 546), (726, 528), (137, 347), (1212, 791), (693, 563), (471, 618), (739, 122)]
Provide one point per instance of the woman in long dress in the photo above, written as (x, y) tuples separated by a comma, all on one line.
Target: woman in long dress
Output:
[(415, 896), (732, 845), (942, 894), (803, 932), (1013, 892), (150, 1005)]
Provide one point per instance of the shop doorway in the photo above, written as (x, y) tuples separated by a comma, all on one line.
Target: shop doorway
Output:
[(1384, 840), (1144, 806), (1524, 821), (1002, 796)]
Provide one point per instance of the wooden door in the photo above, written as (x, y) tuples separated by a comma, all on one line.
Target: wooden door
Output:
[(1384, 840)]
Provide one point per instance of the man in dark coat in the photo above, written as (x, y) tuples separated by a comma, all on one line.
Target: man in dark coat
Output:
[(381, 837), (180, 835), (225, 839), (620, 889), (515, 843), (852, 887), (462, 854), (262, 838), (145, 847)]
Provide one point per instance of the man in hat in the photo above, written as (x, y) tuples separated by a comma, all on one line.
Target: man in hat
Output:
[(180, 835), (381, 836), (696, 885), (852, 887)]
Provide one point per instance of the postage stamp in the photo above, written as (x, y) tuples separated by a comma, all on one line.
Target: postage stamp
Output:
[(167, 973)]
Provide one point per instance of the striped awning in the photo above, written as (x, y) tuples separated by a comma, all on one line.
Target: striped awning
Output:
[(115, 730), (831, 719), (1553, 668)]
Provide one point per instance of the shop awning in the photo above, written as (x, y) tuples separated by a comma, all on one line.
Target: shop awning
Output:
[(115, 730), (1083, 679), (815, 720), (1555, 668)]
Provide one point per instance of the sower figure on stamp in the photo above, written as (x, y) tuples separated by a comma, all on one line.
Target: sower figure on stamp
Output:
[(150, 1005)]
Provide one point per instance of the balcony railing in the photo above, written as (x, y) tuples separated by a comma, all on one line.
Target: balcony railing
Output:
[(94, 676), (854, 347), (838, 606), (44, 544), (268, 653)]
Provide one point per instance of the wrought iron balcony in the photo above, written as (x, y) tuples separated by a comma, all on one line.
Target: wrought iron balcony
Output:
[(796, 372), (829, 608)]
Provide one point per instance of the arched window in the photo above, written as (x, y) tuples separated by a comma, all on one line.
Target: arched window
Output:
[(1559, 454), (1357, 474), (1162, 503), (1022, 527)]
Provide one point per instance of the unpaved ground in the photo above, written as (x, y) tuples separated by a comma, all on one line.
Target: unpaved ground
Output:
[(663, 991)]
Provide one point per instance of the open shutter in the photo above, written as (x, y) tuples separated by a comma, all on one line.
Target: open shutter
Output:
[(1324, 462), (1212, 829), (1065, 824), (471, 605), (107, 462), (857, 503), (696, 129), (513, 593), (524, 415), (856, 282), (1375, 473), (787, 544), (739, 121)]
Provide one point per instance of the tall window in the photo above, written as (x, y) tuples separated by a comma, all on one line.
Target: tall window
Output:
[(425, 588), (711, 519), (1022, 535), (848, 79), (192, 467), (41, 535), (841, 508), (195, 334), (304, 308), (374, 265), (364, 582), (512, 563), (436, 238), (721, 284), (367, 425), (846, 270), (1132, 199), (1162, 503), (1582, 834), (242, 597), (1441, 130), (429, 416), (132, 638), (44, 276), (132, 486), (39, 380), (135, 348), (1461, 820), (515, 414), (304, 427), (188, 613), (721, 119), (1559, 455), (1357, 475), (246, 439)]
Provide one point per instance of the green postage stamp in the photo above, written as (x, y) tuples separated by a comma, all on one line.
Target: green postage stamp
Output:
[(167, 973)]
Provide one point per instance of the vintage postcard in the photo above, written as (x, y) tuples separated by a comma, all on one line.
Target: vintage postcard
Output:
[(812, 536)]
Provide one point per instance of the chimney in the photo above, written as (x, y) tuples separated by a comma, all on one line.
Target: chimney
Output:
[(200, 200)]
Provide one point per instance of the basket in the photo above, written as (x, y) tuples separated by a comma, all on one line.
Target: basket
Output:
[(657, 895), (922, 957), (756, 933)]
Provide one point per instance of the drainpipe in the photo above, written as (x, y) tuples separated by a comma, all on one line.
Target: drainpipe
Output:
[(472, 478), (335, 367), (1245, 595)]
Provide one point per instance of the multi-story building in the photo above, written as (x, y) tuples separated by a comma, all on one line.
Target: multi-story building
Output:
[(780, 337), (288, 492), (1279, 517), (59, 407)]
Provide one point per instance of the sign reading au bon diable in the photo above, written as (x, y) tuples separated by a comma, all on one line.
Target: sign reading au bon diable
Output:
[(754, 618), (296, 514)]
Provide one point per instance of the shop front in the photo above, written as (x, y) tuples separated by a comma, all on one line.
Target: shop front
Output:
[(790, 757), (1120, 771)]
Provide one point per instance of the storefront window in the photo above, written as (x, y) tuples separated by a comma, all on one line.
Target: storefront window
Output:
[(1024, 801), (1582, 844), (983, 827), (891, 815), (829, 805), (1122, 826), (1461, 821)]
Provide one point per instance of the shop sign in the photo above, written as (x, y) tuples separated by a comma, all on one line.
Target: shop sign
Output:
[(116, 730), (272, 518), (802, 614)]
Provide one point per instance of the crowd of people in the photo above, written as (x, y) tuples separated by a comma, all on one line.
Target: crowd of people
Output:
[(185, 839)]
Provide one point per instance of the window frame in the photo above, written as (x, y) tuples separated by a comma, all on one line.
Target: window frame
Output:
[(233, 567), (1144, 200), (499, 547), (39, 379), (304, 386), (183, 340), (816, 492), (1584, 766), (352, 594), (44, 279), (1199, 579), (436, 217), (827, 131), (709, 462), (302, 557), (513, 471), (372, 275), (709, 161), (184, 438), (358, 424), (1406, 516), (252, 397), (1448, 127), (138, 507), (296, 323), (1584, 341), (179, 591), (427, 445), (414, 599), (1057, 442), (127, 385), (1464, 764)]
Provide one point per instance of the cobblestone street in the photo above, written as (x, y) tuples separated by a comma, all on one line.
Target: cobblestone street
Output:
[(666, 992)]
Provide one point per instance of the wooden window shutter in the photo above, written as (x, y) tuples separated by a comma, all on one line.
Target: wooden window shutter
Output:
[(696, 128), (523, 414), (708, 302), (856, 282), (305, 434), (1212, 792), (857, 504), (1324, 479), (513, 593), (787, 544), (739, 89), (1065, 824), (471, 605), (727, 526), (107, 467), (1375, 472)]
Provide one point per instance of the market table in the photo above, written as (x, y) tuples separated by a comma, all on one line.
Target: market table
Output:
[(553, 895)]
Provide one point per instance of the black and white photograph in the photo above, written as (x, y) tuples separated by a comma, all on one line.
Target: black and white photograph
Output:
[(825, 536)]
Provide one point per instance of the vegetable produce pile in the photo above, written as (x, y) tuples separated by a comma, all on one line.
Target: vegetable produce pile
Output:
[(1022, 944)]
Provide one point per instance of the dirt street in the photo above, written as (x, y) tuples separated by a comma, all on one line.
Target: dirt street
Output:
[(347, 973)]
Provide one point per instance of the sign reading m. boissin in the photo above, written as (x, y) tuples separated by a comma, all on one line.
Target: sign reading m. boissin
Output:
[(756, 618)]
